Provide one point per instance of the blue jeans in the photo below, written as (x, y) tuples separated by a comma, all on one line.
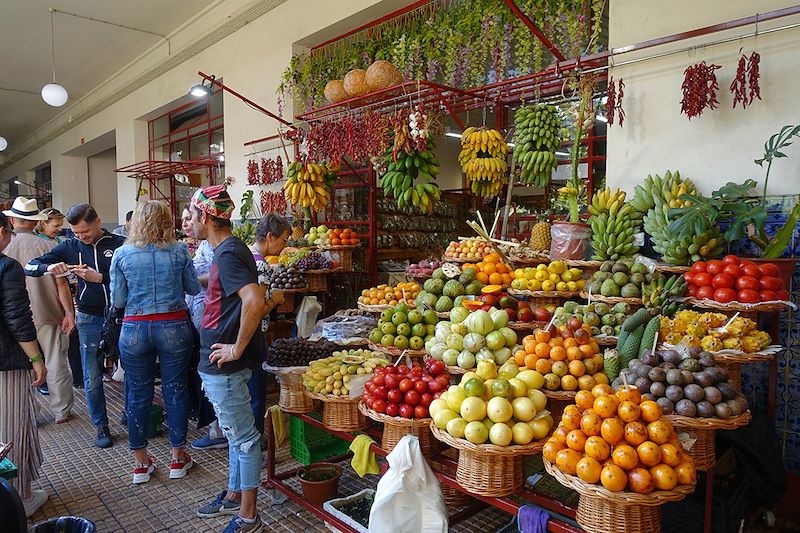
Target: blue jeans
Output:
[(258, 395), (230, 397), (89, 331), (140, 344)]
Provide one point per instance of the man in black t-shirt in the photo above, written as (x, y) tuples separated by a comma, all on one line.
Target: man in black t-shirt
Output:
[(229, 350)]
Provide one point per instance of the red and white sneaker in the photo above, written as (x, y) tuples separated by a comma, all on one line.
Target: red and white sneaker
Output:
[(179, 467), (142, 472)]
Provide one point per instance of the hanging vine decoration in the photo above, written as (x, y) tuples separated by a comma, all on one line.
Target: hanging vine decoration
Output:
[(699, 89)]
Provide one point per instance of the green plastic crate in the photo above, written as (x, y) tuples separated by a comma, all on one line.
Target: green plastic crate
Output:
[(309, 444)]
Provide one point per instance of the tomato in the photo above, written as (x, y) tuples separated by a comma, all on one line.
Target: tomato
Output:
[(782, 295), (421, 386), (702, 279), (689, 277), (771, 283), (402, 370), (723, 281), (412, 397), (706, 292), (731, 260), (732, 270), (751, 270), (700, 266), (420, 411), (425, 399), (378, 379), (392, 409), (406, 411), (768, 295), (715, 266), (724, 295), (692, 291), (379, 405), (394, 396), (392, 381), (406, 385), (747, 282), (436, 367), (769, 269), (380, 392), (748, 296)]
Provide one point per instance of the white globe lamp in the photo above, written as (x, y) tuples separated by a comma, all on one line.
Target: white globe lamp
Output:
[(3, 143), (54, 94)]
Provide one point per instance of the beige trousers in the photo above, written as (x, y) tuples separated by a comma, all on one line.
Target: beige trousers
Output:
[(59, 378)]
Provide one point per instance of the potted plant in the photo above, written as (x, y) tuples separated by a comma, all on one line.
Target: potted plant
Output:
[(320, 481)]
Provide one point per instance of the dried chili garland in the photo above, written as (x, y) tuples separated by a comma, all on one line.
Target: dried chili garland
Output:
[(252, 172), (354, 137), (699, 89), (614, 97), (753, 76), (739, 84)]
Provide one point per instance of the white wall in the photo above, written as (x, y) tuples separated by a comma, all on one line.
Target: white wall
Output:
[(720, 145), (103, 186)]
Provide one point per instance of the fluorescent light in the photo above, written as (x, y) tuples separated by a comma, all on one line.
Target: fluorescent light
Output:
[(453, 135), (18, 182), (601, 118), (562, 154), (199, 91)]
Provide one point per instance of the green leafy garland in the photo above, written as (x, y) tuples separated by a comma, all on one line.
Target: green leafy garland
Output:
[(463, 43)]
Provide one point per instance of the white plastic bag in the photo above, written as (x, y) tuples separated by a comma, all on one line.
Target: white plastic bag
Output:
[(409, 497), (307, 315)]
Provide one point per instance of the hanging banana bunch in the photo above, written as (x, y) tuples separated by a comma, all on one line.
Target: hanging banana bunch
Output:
[(409, 178), (537, 135), (308, 184), (483, 160)]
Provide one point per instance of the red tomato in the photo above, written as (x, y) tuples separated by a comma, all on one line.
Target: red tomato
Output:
[(420, 411), (425, 399), (392, 380), (748, 296), (751, 270), (394, 396), (406, 411), (436, 367), (769, 269), (402, 370), (392, 409), (412, 397), (747, 282), (378, 379), (731, 260), (692, 291), (782, 295), (702, 279), (380, 392), (723, 281), (724, 295), (768, 295), (771, 283), (369, 400), (421, 386), (732, 270), (434, 385), (706, 292), (689, 277), (406, 385), (379, 405), (714, 267), (700, 266)]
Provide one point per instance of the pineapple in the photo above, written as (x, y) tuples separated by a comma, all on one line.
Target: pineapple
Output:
[(710, 344), (297, 232), (733, 343), (540, 237)]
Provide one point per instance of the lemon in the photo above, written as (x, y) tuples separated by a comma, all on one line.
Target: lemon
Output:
[(555, 278), (519, 273), (541, 266), (566, 276), (561, 286), (541, 275), (534, 285), (548, 285), (572, 286), (581, 283)]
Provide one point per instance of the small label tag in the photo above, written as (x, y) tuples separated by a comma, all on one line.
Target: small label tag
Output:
[(687, 441), (638, 239)]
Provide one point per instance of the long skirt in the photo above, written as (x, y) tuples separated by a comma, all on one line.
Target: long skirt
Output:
[(18, 425)]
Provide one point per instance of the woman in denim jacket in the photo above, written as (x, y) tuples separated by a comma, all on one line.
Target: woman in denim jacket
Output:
[(150, 277)]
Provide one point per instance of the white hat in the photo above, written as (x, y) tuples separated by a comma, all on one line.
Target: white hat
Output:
[(25, 208)]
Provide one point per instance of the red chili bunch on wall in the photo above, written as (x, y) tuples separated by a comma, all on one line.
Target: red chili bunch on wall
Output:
[(699, 89), (747, 75), (354, 137), (614, 102), (273, 202), (271, 170), (252, 172)]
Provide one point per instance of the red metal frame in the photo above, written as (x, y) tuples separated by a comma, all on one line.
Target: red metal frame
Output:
[(217, 83)]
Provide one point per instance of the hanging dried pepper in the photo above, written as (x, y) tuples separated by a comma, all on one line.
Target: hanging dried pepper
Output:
[(252, 172), (753, 75), (699, 89), (614, 102), (620, 94), (739, 85)]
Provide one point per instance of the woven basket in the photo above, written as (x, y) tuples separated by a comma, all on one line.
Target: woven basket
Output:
[(355, 342), (544, 297), (526, 326), (557, 401), (395, 352), (292, 397), (340, 414), (606, 340), (486, 469), (395, 428), (766, 307), (583, 265), (704, 452), (734, 372), (456, 370), (633, 302), (378, 309), (672, 269), (448, 259), (288, 302), (453, 498), (345, 254), (316, 280), (603, 511), (522, 262)]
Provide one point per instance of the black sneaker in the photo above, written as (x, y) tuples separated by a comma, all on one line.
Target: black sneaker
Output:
[(43, 390), (103, 439), (218, 507), (123, 419)]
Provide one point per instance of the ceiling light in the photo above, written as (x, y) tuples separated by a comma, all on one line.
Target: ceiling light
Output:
[(3, 143), (53, 93), (18, 182)]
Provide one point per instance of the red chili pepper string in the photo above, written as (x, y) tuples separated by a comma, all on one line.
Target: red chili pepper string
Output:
[(753, 75), (611, 101), (739, 85), (618, 104), (699, 89)]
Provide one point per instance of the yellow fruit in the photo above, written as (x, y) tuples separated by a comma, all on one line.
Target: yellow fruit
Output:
[(548, 285)]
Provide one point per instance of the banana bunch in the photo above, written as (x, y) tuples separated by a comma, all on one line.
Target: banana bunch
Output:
[(660, 294), (483, 160), (655, 199), (308, 184), (613, 224), (537, 134), (403, 170)]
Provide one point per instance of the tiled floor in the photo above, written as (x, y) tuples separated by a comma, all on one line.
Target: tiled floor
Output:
[(96, 484)]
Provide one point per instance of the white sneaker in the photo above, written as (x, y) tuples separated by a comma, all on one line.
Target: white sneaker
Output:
[(32, 504), (141, 473), (179, 467)]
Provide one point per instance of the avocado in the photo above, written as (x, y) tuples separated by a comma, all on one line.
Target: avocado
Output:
[(630, 290), (609, 288), (639, 268), (637, 278), (620, 278), (606, 266), (619, 266)]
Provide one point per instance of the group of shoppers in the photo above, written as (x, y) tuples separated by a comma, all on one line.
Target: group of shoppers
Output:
[(168, 298)]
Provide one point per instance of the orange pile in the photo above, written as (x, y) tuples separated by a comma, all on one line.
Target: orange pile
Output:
[(343, 237), (619, 441), (388, 295), (492, 271), (569, 359)]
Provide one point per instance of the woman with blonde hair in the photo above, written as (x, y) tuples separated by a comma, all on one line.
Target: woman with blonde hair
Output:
[(151, 274), (50, 229)]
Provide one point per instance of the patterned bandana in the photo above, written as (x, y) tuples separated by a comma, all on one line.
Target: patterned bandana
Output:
[(214, 200)]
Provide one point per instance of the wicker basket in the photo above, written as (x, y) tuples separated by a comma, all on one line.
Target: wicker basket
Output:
[(345, 254), (395, 428), (734, 371), (603, 511), (522, 262), (292, 397), (453, 370), (766, 307), (448, 259), (378, 309), (340, 413), (704, 452), (672, 269), (606, 340), (557, 401), (453, 498), (395, 352), (288, 301), (486, 469), (526, 326), (611, 300), (544, 297), (316, 280)]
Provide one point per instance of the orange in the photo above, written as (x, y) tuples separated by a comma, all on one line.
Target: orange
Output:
[(591, 423), (597, 448), (613, 478), (588, 469), (602, 390), (595, 347), (630, 393), (584, 399), (542, 349), (569, 382), (557, 353), (543, 366), (492, 258), (600, 378), (529, 344), (551, 448), (482, 277), (560, 435), (541, 335), (659, 431), (635, 433), (605, 406), (567, 461), (489, 268), (628, 411), (670, 454), (640, 480), (570, 342), (519, 357), (502, 268), (557, 341), (576, 440), (495, 279), (686, 473), (664, 477), (577, 368), (530, 361), (649, 453), (574, 353), (507, 278), (571, 417), (586, 351), (625, 457), (650, 410)]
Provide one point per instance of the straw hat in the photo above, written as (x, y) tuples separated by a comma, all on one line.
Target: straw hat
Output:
[(26, 209)]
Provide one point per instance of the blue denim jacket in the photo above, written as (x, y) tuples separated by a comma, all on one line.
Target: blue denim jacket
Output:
[(151, 280)]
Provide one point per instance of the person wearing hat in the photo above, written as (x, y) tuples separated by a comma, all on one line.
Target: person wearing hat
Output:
[(51, 304), (88, 256), (229, 350)]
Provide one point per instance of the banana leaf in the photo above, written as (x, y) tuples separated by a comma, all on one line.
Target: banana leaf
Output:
[(781, 239)]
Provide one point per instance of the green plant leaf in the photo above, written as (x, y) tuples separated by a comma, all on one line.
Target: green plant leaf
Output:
[(735, 190), (781, 239)]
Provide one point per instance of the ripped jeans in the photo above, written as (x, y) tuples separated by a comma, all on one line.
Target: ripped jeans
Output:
[(229, 395), (140, 344)]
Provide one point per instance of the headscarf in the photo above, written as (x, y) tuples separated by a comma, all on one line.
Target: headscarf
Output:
[(214, 201)]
